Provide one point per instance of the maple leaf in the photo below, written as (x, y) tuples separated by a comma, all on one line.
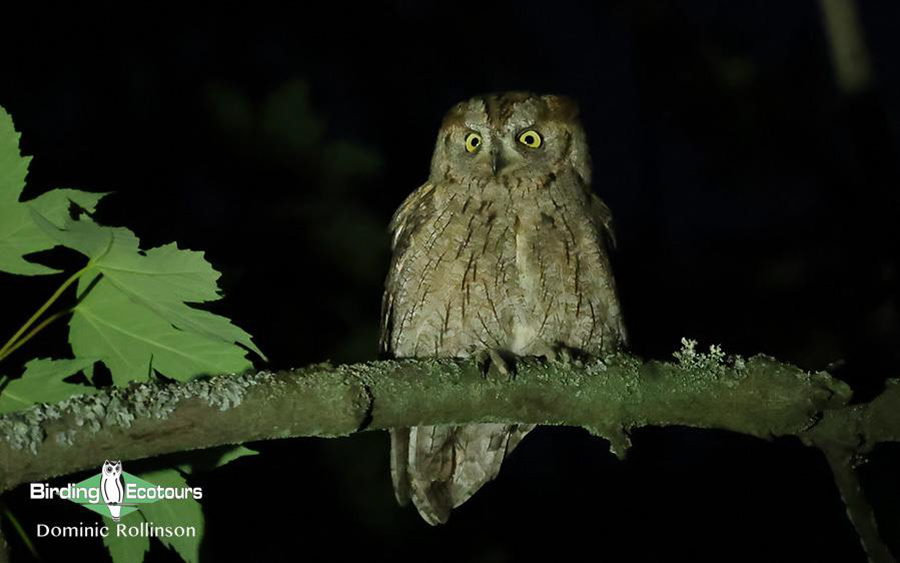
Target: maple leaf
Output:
[(43, 382), (133, 313), (19, 236)]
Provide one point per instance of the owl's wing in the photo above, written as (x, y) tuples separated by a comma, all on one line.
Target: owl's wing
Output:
[(602, 217), (414, 209), (406, 220)]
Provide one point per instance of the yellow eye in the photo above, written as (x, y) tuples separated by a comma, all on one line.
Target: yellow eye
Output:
[(473, 142), (531, 138)]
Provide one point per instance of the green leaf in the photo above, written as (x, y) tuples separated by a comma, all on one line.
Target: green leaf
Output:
[(234, 453), (13, 166), (43, 382), (125, 549), (175, 513), (211, 458), (133, 312), (19, 235)]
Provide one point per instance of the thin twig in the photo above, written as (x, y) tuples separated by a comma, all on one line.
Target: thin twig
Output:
[(858, 509)]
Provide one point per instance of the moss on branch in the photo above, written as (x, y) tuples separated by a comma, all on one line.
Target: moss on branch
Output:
[(759, 396)]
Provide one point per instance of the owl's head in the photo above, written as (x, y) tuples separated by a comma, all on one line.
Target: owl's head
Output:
[(112, 468), (511, 134)]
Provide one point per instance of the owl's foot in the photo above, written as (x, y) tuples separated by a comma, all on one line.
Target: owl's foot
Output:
[(559, 353), (494, 366)]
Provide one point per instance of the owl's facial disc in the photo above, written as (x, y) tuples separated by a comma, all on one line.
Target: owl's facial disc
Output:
[(486, 150), (511, 154), (512, 135)]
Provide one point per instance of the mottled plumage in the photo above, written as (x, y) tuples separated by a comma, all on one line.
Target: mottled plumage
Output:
[(504, 248)]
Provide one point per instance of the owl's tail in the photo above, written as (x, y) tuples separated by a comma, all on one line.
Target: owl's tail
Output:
[(440, 467)]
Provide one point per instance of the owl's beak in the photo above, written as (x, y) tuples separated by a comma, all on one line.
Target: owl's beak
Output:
[(498, 162)]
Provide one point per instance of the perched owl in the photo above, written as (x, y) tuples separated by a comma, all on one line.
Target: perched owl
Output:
[(502, 252)]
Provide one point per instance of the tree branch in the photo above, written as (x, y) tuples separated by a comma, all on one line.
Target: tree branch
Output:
[(760, 396)]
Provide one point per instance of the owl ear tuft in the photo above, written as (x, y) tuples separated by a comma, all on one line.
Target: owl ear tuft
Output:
[(455, 116), (579, 155), (562, 108)]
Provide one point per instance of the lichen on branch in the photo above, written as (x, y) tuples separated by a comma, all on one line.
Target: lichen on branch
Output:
[(758, 396), (609, 396)]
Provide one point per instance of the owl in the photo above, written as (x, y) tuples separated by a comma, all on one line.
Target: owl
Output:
[(111, 487), (503, 252)]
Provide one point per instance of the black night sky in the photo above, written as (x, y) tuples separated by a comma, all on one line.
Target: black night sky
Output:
[(756, 207)]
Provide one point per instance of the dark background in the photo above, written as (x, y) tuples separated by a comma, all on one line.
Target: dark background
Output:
[(756, 206)]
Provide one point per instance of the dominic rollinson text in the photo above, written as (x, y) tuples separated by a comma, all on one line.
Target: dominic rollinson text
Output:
[(97, 530)]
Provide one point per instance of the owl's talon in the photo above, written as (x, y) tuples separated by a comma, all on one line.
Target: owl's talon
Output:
[(495, 367), (559, 353), (566, 355)]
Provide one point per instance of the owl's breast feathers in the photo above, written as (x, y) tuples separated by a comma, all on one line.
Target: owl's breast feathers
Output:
[(519, 265)]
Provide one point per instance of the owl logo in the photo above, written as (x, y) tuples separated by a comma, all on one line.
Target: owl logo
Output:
[(111, 487)]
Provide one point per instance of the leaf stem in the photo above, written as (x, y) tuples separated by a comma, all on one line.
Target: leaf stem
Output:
[(12, 342), (17, 526), (34, 331)]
